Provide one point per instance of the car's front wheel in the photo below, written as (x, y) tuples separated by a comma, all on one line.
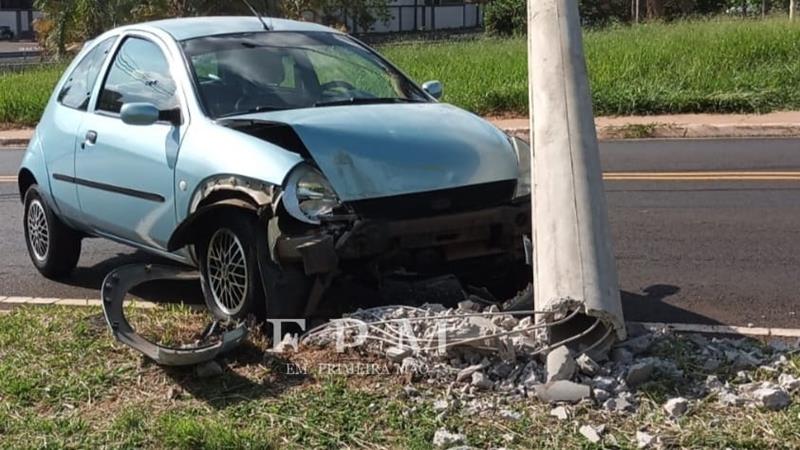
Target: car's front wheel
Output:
[(231, 279), (54, 248)]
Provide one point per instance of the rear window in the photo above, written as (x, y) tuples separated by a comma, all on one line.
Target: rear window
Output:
[(77, 90)]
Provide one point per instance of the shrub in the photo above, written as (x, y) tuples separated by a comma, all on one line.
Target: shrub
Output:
[(505, 17), (509, 17)]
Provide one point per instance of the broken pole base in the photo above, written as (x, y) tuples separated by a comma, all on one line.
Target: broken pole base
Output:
[(589, 332)]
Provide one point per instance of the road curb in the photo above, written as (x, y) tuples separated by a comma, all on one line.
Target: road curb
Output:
[(684, 131), (11, 302), (623, 132), (13, 143)]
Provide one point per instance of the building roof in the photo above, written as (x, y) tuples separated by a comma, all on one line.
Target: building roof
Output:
[(194, 27)]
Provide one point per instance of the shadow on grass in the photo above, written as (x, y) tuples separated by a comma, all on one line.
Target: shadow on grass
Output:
[(249, 373)]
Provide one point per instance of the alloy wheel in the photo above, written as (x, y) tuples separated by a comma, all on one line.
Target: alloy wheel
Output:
[(227, 271), (38, 230)]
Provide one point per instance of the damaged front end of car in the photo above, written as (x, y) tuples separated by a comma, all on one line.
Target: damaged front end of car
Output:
[(465, 230)]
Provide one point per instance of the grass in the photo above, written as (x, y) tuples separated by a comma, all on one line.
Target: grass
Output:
[(717, 66), (65, 384), (708, 66), (23, 95)]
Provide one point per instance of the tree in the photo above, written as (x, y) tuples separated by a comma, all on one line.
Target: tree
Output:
[(363, 13), (60, 15), (655, 9), (68, 21)]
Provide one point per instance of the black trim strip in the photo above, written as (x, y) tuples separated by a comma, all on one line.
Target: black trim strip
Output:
[(110, 188)]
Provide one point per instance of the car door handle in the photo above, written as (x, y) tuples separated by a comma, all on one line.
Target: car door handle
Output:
[(90, 139)]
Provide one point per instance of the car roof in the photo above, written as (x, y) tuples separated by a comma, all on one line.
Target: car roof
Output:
[(194, 27)]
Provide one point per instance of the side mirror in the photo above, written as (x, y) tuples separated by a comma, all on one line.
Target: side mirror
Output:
[(433, 88), (139, 113)]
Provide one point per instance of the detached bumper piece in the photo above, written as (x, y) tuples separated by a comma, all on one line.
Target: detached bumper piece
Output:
[(116, 287)]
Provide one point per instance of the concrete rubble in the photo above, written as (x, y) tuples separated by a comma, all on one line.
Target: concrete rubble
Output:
[(676, 407), (587, 365), (644, 440), (446, 439), (771, 398), (591, 433), (490, 359), (560, 413), (560, 364), (563, 391)]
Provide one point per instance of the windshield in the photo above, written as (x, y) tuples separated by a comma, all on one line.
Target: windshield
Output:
[(267, 71)]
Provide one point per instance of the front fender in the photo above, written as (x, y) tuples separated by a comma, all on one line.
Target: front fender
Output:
[(195, 224), (212, 152)]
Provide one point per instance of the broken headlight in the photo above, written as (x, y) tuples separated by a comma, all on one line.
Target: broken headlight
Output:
[(308, 196), (523, 151)]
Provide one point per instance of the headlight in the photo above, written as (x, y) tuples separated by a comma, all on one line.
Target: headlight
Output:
[(524, 162), (308, 196)]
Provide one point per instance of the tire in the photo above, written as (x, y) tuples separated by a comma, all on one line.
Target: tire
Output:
[(231, 279), (54, 248)]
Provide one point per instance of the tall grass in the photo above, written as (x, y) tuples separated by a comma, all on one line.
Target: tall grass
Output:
[(715, 66), (23, 95), (697, 66)]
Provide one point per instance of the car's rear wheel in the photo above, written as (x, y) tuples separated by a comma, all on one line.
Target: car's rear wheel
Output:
[(231, 279), (53, 247)]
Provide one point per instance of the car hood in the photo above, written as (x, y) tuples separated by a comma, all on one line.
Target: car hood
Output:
[(370, 151)]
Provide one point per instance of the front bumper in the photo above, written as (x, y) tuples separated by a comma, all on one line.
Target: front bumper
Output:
[(420, 243)]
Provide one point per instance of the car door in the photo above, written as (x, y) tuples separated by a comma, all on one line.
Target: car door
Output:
[(125, 173), (59, 127)]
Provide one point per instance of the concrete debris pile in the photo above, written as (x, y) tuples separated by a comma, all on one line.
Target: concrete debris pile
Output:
[(485, 350), (469, 354)]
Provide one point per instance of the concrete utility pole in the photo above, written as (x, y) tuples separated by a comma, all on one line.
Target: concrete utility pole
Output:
[(574, 266)]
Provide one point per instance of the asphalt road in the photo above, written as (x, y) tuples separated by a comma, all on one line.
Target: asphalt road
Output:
[(706, 231)]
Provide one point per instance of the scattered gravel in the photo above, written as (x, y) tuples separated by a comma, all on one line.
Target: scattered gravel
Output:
[(500, 356)]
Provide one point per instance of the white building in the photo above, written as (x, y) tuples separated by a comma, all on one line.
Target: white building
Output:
[(18, 15), (405, 16), (426, 15)]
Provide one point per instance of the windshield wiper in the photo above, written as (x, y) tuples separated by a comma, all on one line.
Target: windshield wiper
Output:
[(368, 101), (257, 109)]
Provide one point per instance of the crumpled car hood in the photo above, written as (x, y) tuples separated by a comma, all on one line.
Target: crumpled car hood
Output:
[(370, 151)]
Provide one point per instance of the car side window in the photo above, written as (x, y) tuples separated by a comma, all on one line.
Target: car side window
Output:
[(139, 73), (78, 88)]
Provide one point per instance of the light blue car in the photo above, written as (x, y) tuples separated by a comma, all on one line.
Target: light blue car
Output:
[(274, 156)]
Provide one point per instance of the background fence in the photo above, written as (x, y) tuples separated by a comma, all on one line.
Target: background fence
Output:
[(414, 18)]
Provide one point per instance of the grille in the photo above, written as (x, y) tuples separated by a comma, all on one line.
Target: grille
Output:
[(427, 204)]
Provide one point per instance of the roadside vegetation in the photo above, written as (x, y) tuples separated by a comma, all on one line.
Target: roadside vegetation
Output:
[(703, 66), (24, 95), (64, 383), (714, 66)]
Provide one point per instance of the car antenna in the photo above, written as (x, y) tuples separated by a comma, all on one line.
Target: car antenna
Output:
[(257, 14)]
